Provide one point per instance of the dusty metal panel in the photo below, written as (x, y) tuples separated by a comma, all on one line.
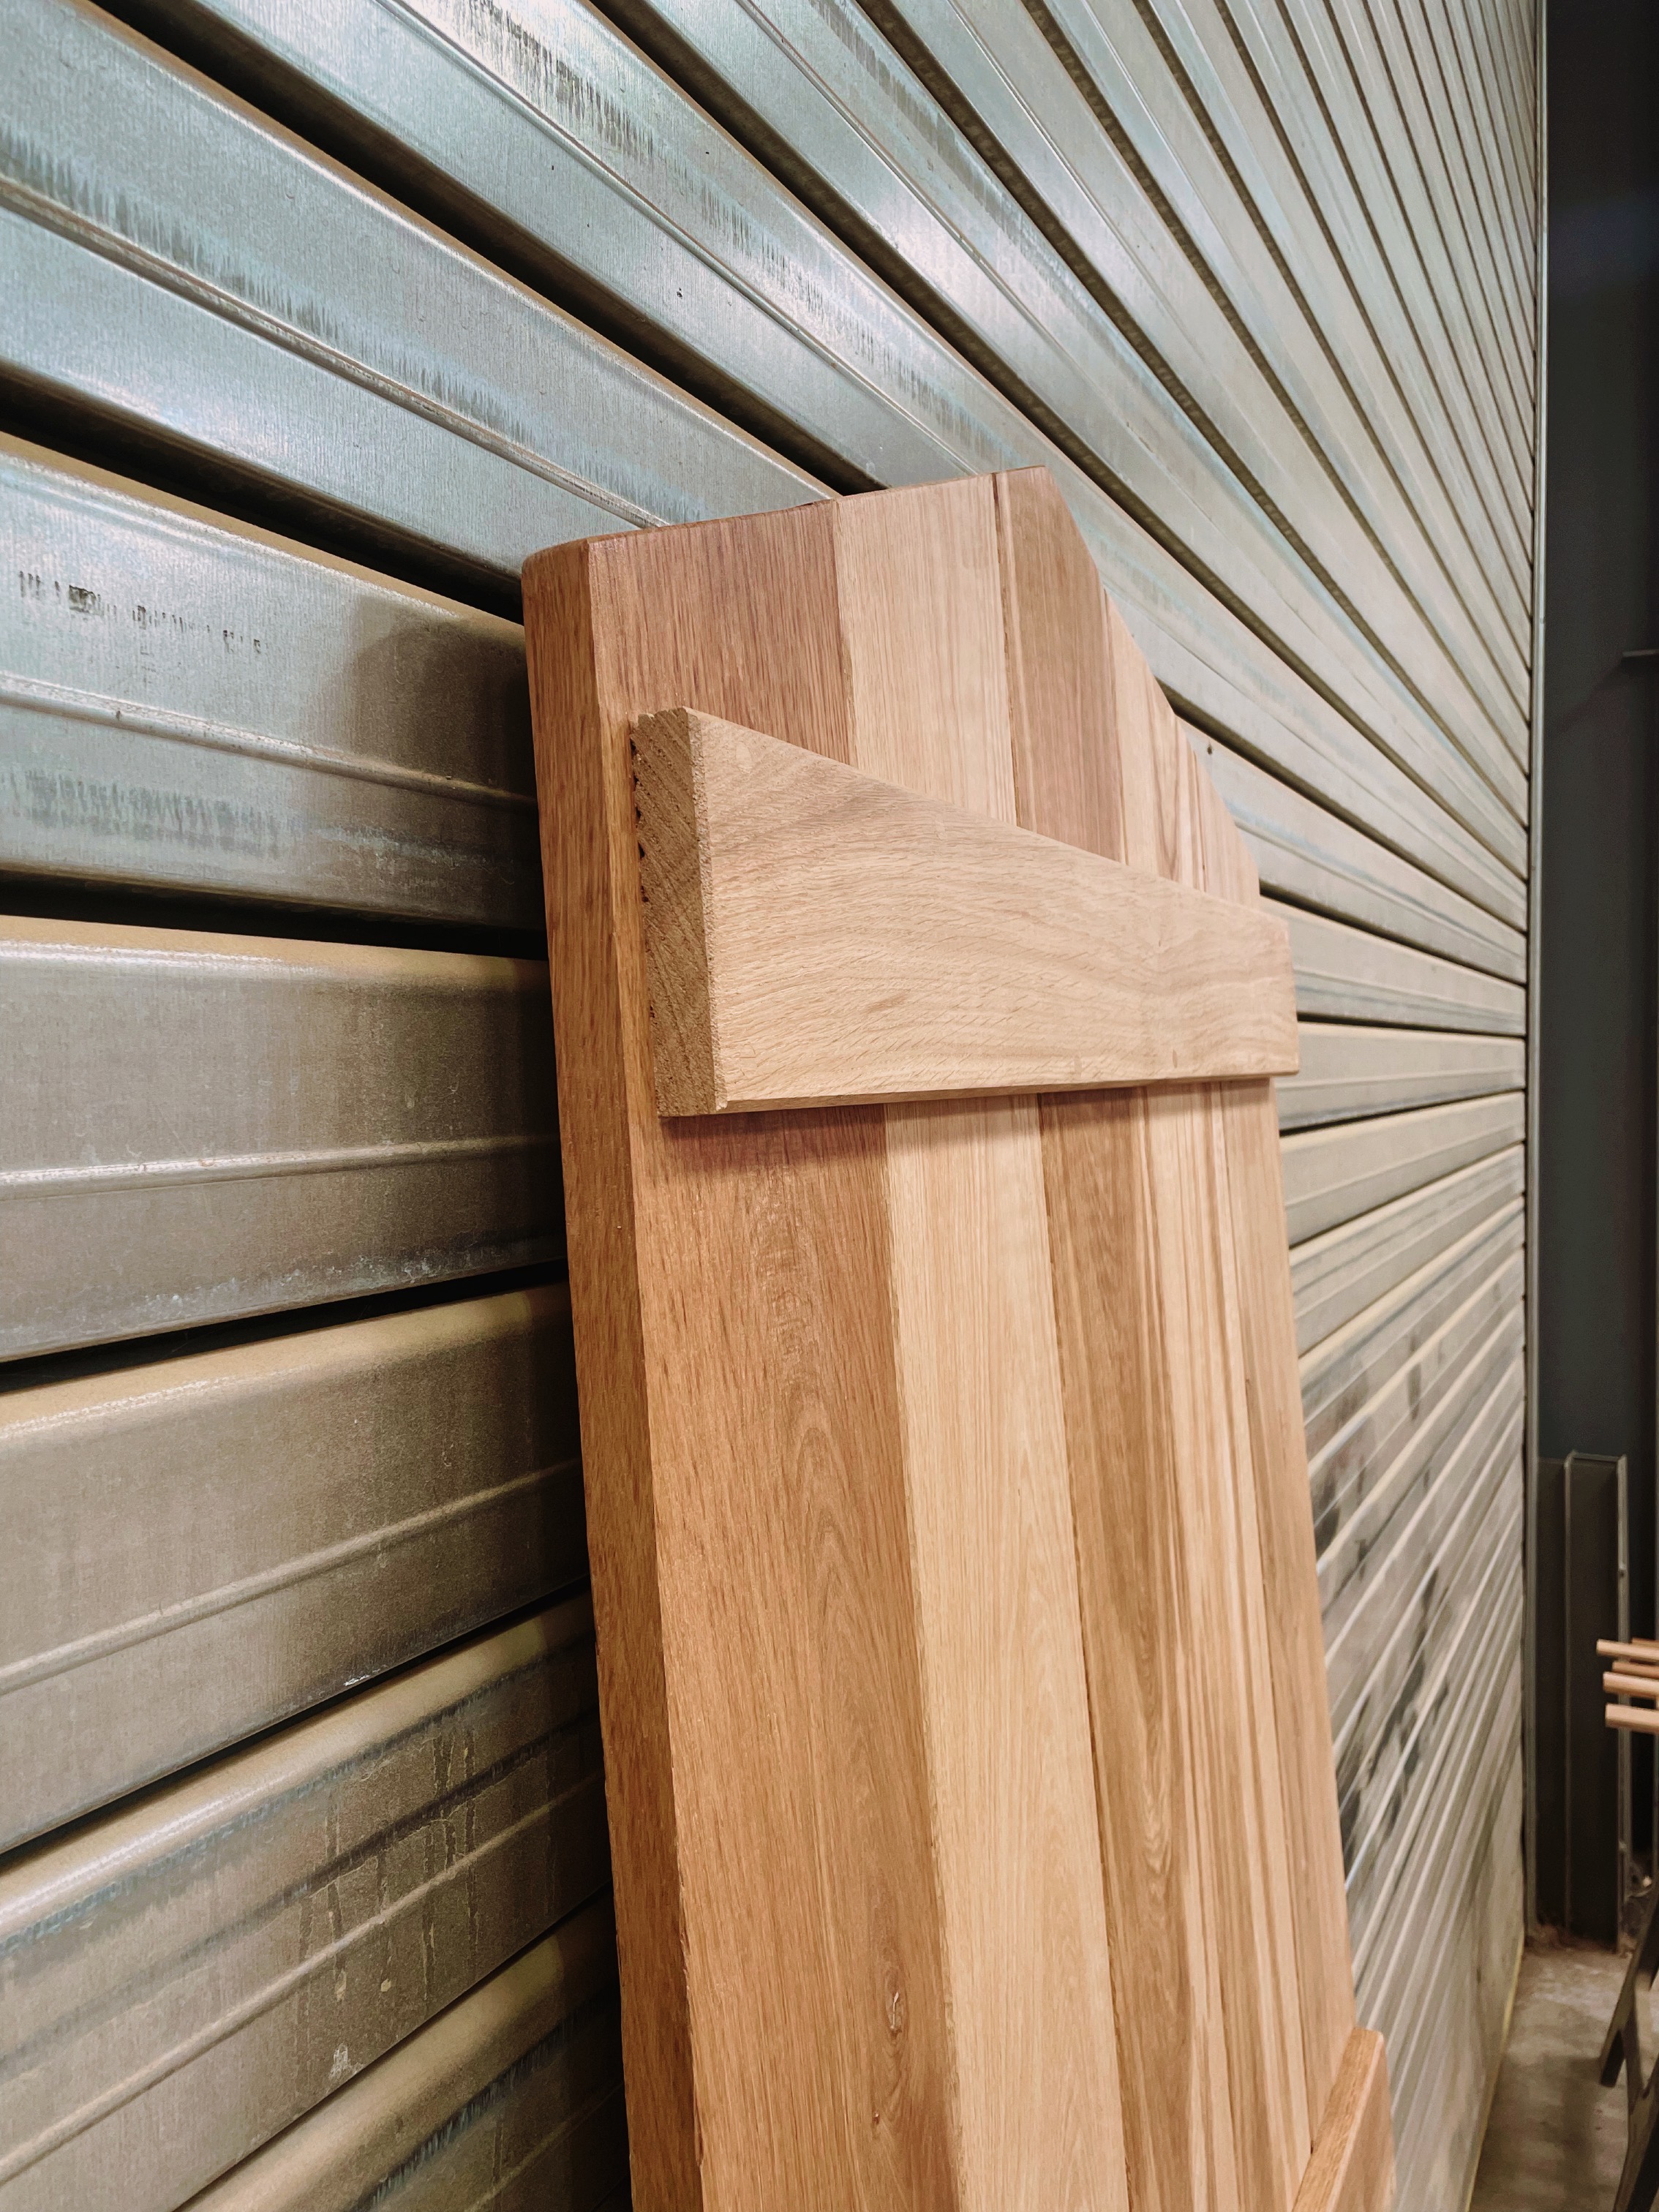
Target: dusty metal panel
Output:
[(196, 1549), (1342, 1375), (1405, 1872), (1349, 1070), (1020, 90), (1350, 974), (187, 1976), (1305, 854), (1211, 659), (193, 704), (1360, 68), (1434, 1858), (852, 131), (1461, 180), (165, 246), (1337, 1275), (512, 2099), (1369, 1481), (1333, 1174), (1125, 67), (1300, 194), (1453, 2039), (1389, 243), (194, 1126), (1385, 1757)]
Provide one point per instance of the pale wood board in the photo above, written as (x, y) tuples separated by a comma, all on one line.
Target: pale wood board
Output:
[(1294, 1635), (1023, 1903), (817, 937), (1631, 1685), (1352, 2168), (941, 1476), (1136, 1614), (1235, 1746), (783, 2011)]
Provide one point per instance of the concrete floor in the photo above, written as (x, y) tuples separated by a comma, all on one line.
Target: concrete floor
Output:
[(1555, 2142)]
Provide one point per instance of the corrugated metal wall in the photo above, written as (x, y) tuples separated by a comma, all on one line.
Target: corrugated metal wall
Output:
[(318, 317)]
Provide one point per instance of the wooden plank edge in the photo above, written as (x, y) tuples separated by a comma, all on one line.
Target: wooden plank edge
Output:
[(1635, 1718), (1630, 1685), (1351, 2168), (795, 909)]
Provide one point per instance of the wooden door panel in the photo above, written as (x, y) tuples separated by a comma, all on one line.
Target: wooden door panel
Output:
[(971, 1792)]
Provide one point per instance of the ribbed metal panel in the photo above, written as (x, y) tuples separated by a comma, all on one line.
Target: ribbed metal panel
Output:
[(192, 706), (191, 1550), (429, 283), (194, 1126), (511, 2100), (183, 1978)]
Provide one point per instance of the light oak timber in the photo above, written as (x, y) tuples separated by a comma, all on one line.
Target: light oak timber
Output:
[(1637, 1718), (815, 936), (1138, 1632), (1239, 1785), (1637, 1652), (1015, 1847), (1352, 2168), (1631, 1685), (1279, 1452), (1197, 1813), (856, 1861), (776, 1647), (928, 1447)]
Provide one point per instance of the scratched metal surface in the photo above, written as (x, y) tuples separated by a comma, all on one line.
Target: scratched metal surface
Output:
[(515, 105), (185, 1976), (193, 1126), (1338, 1273), (194, 270), (194, 1550), (1349, 1069), (191, 706), (512, 2099), (1256, 283), (130, 248)]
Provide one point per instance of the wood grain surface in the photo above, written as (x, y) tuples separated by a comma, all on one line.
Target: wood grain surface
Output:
[(1636, 1720), (783, 1998), (1132, 1569), (817, 937), (1277, 1443), (953, 1744), (1352, 2168), (1028, 1979)]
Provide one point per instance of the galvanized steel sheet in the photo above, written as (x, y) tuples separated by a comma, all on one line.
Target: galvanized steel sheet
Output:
[(193, 1550), (188, 1975), (513, 2095), (195, 1126)]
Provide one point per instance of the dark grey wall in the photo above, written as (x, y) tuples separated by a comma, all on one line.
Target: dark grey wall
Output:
[(1597, 1103)]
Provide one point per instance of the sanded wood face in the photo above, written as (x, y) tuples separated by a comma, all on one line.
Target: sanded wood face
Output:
[(968, 1758), (815, 936)]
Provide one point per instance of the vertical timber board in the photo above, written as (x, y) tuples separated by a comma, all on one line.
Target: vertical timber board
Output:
[(1177, 2122), (1235, 1734), (1278, 1449), (740, 1441), (1021, 1889), (886, 1982), (1139, 1188)]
